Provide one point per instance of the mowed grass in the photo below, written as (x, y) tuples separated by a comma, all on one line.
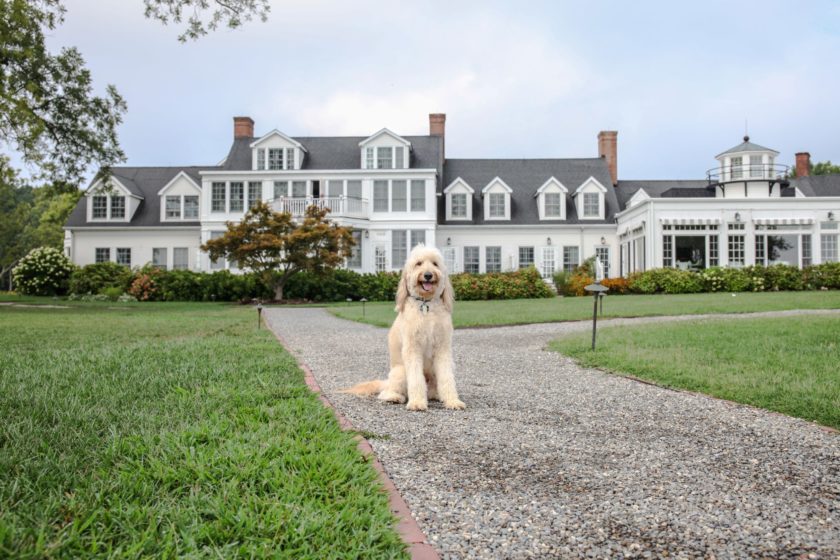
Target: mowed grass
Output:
[(523, 311), (788, 364), (163, 430)]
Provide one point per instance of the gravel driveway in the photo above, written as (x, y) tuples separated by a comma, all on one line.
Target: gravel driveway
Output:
[(554, 460)]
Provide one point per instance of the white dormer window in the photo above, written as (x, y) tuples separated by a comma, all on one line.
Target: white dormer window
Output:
[(496, 200), (385, 150), (551, 200), (108, 207), (179, 198), (276, 152), (111, 202), (459, 196), (100, 207), (589, 198)]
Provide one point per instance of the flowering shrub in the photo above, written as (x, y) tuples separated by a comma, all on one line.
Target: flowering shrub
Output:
[(824, 276), (525, 283), (616, 285), (144, 286), (45, 271), (576, 283)]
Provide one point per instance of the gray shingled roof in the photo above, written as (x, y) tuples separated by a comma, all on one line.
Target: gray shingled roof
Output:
[(144, 182), (818, 185), (525, 176), (747, 146), (660, 189)]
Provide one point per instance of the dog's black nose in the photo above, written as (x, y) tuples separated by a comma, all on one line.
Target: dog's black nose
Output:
[(427, 276)]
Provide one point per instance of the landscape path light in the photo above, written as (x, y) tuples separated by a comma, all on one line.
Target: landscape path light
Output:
[(363, 300), (259, 314), (597, 289)]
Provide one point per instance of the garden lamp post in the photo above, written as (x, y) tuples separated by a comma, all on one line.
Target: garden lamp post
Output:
[(363, 300), (259, 314), (597, 291)]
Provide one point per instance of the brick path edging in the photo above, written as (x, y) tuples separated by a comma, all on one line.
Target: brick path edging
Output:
[(407, 527)]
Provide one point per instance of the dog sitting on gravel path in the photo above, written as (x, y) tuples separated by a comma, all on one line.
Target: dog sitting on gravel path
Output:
[(420, 340)]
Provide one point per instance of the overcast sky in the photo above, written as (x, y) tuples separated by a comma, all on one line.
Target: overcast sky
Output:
[(516, 79)]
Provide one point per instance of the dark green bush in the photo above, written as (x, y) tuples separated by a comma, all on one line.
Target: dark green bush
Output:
[(93, 278), (667, 281), (822, 276), (525, 283), (783, 277), (181, 285), (112, 293)]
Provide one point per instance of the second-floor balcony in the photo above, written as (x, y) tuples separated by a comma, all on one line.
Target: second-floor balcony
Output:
[(339, 206), (748, 172)]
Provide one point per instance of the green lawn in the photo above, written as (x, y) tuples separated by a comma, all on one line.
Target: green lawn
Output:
[(784, 364), (521, 311), (162, 430)]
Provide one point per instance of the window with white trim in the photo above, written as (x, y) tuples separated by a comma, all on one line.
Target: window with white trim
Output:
[(418, 236), (736, 250), (103, 254), (806, 250), (737, 170), (289, 161), (218, 264), (180, 258), (547, 262), (335, 189), (668, 251), (354, 189), (380, 196), (399, 247), (190, 206), (100, 206), (603, 254), (828, 247), (370, 158), (237, 196), (281, 189), (450, 259), (261, 159), (591, 205), (159, 257), (756, 168), (571, 258), (117, 206), (384, 157), (173, 207), (398, 196), (355, 260), (471, 260), (275, 159), (124, 256), (254, 193), (526, 257), (493, 259), (552, 204), (380, 258), (497, 205), (298, 189), (459, 205), (218, 197), (418, 195)]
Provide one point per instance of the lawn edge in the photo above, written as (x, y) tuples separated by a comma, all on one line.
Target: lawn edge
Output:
[(407, 527)]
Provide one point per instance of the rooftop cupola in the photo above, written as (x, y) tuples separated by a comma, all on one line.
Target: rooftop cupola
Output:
[(748, 170)]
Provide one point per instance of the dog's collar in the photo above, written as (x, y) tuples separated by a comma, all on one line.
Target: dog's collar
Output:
[(424, 303)]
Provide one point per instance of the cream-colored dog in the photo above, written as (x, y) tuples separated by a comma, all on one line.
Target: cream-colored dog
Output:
[(420, 340)]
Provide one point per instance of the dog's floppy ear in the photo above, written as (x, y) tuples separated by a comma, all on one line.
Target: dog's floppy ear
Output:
[(448, 294), (402, 292)]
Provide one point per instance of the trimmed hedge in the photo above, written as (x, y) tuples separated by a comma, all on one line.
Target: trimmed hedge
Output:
[(525, 283)]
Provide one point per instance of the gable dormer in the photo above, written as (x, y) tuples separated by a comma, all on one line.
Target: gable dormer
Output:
[(180, 199), (459, 200), (551, 200), (385, 150), (496, 197), (276, 152), (638, 197), (111, 201), (590, 200)]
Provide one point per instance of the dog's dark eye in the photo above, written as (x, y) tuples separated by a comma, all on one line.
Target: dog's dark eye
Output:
[(434, 264), (419, 263)]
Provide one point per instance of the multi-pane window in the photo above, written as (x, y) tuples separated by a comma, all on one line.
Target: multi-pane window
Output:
[(736, 227), (100, 206), (547, 262), (354, 189), (117, 206), (260, 159), (355, 260), (552, 204), (298, 189), (806, 250), (335, 189), (497, 205), (173, 207), (380, 196), (289, 162), (370, 155), (760, 250), (124, 256), (190, 206), (275, 158), (218, 264), (237, 196), (603, 255), (714, 251), (281, 189), (103, 254), (591, 205), (471, 260), (418, 196), (828, 247), (459, 205), (571, 258), (493, 259), (399, 157), (254, 193), (384, 158), (398, 196), (450, 258), (380, 260), (668, 251), (180, 258), (526, 257), (399, 247), (756, 169), (217, 197), (159, 257), (736, 166), (736, 250), (418, 236)]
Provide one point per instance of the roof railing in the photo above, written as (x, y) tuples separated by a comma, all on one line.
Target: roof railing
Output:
[(748, 172)]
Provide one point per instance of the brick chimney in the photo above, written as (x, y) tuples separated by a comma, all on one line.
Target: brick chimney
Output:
[(803, 164), (437, 127), (608, 148), (243, 127)]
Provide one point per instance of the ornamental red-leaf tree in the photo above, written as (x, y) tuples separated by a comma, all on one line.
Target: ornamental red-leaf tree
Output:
[(276, 246)]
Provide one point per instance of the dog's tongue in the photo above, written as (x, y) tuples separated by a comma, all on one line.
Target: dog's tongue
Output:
[(427, 286)]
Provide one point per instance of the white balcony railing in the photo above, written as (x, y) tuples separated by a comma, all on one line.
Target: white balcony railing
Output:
[(338, 206)]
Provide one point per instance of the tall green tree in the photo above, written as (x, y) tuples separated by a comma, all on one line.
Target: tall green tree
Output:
[(820, 168), (202, 16), (276, 246)]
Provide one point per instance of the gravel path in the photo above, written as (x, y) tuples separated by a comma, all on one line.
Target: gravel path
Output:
[(554, 460)]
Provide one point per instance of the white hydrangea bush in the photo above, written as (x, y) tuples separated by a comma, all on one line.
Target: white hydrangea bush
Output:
[(45, 271)]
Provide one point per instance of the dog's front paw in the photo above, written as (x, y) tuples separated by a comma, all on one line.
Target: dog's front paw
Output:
[(391, 396), (457, 404), (417, 404)]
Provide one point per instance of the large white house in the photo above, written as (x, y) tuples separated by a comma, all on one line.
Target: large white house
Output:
[(485, 215)]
